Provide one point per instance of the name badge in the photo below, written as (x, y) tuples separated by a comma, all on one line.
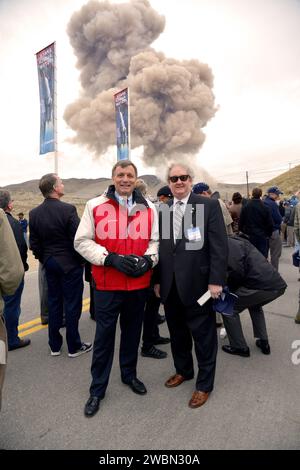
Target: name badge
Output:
[(193, 234)]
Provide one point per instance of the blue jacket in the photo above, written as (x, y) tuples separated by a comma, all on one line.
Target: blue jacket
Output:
[(277, 219)]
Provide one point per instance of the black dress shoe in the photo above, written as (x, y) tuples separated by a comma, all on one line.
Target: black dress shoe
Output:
[(91, 406), (22, 343), (263, 345), (161, 340), (154, 353), (137, 386), (236, 351)]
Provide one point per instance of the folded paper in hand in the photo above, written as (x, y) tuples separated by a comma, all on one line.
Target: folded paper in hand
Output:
[(204, 298)]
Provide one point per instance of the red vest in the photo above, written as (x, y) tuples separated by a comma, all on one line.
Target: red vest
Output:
[(123, 234)]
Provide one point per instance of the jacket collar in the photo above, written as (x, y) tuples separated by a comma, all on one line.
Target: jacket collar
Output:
[(137, 196), (194, 198)]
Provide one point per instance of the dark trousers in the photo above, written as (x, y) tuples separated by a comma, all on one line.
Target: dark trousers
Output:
[(150, 325), (11, 313), (43, 292), (253, 300), (64, 289), (192, 323), (108, 305), (261, 243), (92, 302)]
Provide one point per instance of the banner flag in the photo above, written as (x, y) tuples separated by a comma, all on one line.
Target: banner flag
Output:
[(122, 124), (46, 75)]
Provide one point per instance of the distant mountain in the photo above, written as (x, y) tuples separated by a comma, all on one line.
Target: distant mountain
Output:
[(288, 182), (72, 185), (85, 188), (227, 189), (27, 195)]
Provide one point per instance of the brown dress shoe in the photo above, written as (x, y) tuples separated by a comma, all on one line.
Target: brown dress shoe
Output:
[(175, 380), (198, 399)]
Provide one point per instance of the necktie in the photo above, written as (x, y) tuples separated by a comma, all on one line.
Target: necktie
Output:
[(123, 201), (177, 222)]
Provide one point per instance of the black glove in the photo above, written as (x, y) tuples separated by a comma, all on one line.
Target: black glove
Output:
[(123, 263), (142, 265)]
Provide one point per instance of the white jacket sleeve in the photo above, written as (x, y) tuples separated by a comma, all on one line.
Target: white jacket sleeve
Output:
[(152, 249), (84, 241)]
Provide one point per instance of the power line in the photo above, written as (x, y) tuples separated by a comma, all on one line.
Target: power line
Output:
[(260, 171)]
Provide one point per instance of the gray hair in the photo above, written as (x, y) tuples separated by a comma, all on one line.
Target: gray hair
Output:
[(141, 186), (188, 169), (4, 198), (47, 183)]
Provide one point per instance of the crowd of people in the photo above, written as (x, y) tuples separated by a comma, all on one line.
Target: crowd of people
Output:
[(138, 254)]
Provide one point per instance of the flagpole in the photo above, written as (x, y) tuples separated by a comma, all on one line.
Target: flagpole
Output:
[(55, 114), (129, 136)]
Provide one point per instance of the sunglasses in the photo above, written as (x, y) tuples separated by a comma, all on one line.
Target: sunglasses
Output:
[(174, 179)]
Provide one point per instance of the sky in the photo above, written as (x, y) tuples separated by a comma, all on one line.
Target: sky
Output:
[(252, 47)]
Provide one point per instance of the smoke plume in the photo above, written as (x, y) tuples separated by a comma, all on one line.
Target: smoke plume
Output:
[(170, 100)]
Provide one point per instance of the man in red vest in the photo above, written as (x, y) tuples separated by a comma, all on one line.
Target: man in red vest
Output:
[(118, 235)]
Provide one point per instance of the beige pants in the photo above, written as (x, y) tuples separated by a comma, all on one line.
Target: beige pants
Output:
[(290, 237), (3, 354), (283, 231)]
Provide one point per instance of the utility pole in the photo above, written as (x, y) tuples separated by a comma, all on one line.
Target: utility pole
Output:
[(247, 182)]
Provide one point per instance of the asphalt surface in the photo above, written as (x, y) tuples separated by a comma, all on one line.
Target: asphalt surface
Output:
[(255, 403)]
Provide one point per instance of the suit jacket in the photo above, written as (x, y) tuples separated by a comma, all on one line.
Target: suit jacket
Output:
[(52, 227), (19, 237), (193, 269)]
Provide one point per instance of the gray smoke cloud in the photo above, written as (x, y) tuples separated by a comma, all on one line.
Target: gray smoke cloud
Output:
[(170, 100)]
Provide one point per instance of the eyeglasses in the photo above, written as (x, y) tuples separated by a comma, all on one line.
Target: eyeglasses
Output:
[(174, 179)]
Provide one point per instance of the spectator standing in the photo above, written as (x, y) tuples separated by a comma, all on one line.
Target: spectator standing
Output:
[(256, 222), (290, 236), (12, 308), (235, 210), (281, 208), (24, 224), (193, 259), (164, 194), (297, 239), (118, 235), (11, 275), (53, 225), (275, 243), (204, 190), (151, 336), (285, 218)]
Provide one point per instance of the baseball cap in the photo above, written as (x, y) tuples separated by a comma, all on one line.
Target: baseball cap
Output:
[(200, 187), (164, 191), (296, 259), (275, 190), (225, 303)]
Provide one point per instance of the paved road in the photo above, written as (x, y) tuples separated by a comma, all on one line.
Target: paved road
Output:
[(255, 404)]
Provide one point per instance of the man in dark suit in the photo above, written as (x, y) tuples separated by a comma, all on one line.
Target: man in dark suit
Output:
[(53, 225), (192, 261)]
